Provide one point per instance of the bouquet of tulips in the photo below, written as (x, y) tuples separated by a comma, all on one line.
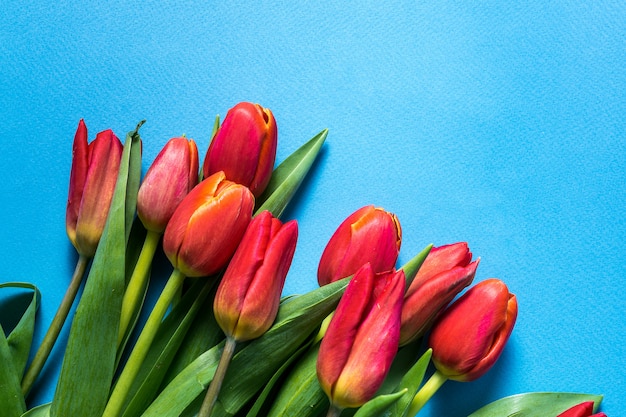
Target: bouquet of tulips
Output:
[(220, 340)]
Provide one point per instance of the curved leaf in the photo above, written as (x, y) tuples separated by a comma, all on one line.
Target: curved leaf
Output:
[(379, 404), (288, 176), (39, 411), (534, 404), (18, 317)]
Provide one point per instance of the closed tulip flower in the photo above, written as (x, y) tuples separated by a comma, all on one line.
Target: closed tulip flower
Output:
[(171, 176), (470, 335), (370, 234), (581, 410), (207, 226), (362, 338), (445, 272), (248, 296), (92, 182), (244, 147)]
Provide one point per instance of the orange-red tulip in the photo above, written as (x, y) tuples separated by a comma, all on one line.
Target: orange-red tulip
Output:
[(446, 271), (207, 226), (369, 234), (362, 338), (92, 183), (244, 147), (248, 296), (470, 335), (171, 176)]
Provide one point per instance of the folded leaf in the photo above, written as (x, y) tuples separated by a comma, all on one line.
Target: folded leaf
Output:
[(534, 404), (17, 316)]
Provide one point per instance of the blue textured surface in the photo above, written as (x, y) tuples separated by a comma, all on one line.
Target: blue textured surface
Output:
[(497, 123)]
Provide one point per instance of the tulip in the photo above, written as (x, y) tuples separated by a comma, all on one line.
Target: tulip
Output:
[(92, 182), (446, 271), (470, 335), (362, 338), (169, 179), (247, 299), (581, 410), (244, 147), (207, 226), (93, 176), (171, 176), (368, 235), (248, 296)]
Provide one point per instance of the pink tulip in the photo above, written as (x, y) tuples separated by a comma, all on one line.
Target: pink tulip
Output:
[(470, 335), (244, 147), (368, 235), (92, 183), (171, 176), (581, 410), (446, 271), (362, 338), (248, 296), (207, 226)]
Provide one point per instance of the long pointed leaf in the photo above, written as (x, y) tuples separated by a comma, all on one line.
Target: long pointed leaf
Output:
[(90, 357), (288, 176)]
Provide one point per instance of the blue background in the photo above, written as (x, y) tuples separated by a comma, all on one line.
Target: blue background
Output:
[(497, 123)]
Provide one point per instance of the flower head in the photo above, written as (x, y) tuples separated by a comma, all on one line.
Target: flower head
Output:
[(92, 183)]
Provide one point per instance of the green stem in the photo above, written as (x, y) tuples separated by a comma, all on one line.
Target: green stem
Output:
[(333, 411), (139, 352), (216, 384), (137, 283), (52, 334), (426, 392)]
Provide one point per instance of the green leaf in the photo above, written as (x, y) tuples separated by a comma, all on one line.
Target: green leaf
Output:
[(379, 404), (90, 357), (288, 176), (301, 394), (203, 333), (410, 384), (410, 268), (17, 313), (535, 404), (11, 399), (165, 347), (17, 316), (39, 411), (259, 404), (296, 320)]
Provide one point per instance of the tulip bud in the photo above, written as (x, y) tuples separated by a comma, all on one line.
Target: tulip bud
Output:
[(581, 410), (171, 176), (368, 235), (207, 226), (470, 335), (362, 338), (244, 147), (92, 183), (248, 296), (446, 271)]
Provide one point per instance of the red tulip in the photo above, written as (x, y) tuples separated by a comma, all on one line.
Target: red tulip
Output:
[(244, 147), (581, 410), (92, 183), (207, 226), (362, 338), (446, 271), (172, 175), (248, 296), (470, 335), (368, 235)]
